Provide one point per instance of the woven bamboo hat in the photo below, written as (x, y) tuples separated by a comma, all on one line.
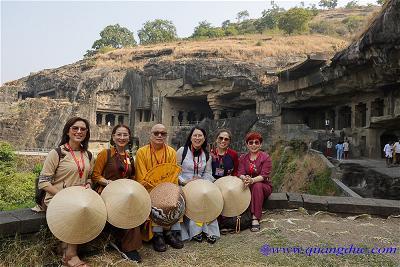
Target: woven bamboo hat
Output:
[(127, 202), (204, 201), (76, 215), (167, 204), (236, 196)]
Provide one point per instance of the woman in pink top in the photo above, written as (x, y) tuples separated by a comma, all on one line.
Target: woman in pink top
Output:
[(255, 169)]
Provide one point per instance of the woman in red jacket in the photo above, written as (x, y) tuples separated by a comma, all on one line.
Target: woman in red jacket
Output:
[(255, 169)]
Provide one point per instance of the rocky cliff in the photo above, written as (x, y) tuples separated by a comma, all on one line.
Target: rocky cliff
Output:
[(178, 84)]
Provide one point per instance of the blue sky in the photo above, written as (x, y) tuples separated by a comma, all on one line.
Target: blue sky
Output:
[(37, 35)]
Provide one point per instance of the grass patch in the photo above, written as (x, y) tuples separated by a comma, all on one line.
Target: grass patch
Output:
[(33, 250), (294, 170), (16, 179)]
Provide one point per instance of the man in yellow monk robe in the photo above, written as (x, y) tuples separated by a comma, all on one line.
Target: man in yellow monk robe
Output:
[(155, 153)]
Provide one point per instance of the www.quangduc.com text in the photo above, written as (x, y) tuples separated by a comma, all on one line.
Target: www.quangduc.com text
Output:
[(267, 250)]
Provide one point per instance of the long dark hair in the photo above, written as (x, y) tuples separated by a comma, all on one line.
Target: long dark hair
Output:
[(65, 137), (189, 138)]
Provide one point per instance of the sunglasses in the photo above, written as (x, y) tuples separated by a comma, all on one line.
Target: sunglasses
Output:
[(255, 142), (77, 128), (163, 134), (220, 138)]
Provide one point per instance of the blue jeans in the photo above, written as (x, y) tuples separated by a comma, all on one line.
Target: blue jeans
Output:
[(339, 154)]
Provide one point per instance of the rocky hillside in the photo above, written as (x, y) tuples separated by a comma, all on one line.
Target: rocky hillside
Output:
[(107, 81), (178, 84)]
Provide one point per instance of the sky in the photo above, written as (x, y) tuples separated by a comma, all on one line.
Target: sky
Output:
[(37, 35)]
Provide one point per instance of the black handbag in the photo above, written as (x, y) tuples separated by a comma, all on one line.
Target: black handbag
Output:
[(236, 223)]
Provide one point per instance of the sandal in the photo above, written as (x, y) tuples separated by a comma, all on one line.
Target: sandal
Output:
[(211, 239), (255, 227), (198, 238)]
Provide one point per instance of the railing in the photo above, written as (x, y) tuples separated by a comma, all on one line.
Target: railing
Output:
[(35, 149)]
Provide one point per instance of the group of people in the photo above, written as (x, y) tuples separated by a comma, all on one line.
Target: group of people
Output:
[(392, 153), (342, 149), (72, 165)]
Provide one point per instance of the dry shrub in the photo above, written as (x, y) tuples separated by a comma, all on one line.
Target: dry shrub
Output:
[(307, 168), (238, 48)]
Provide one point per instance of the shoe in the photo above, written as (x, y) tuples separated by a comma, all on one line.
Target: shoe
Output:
[(211, 239), (159, 242), (255, 227), (198, 238), (173, 238), (133, 256)]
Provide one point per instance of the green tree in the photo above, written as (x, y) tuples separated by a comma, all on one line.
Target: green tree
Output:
[(295, 20), (157, 31), (330, 4), (204, 29), (242, 15), (381, 2), (6, 152), (352, 4), (353, 23), (225, 24), (269, 18), (246, 27), (231, 30), (113, 36)]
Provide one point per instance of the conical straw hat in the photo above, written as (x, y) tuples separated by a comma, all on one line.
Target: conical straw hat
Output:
[(236, 196), (167, 204), (204, 201), (128, 203), (76, 215)]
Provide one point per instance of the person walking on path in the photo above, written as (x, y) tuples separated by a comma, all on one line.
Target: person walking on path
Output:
[(388, 149), (329, 146), (346, 148), (339, 150), (396, 150)]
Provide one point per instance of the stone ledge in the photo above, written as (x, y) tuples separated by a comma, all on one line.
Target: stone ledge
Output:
[(25, 221), (22, 221), (311, 202)]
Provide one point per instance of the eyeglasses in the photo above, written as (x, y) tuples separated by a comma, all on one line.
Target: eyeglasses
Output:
[(121, 135), (253, 142), (77, 128), (163, 134), (226, 139)]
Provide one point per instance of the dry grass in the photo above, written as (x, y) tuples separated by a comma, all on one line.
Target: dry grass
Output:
[(279, 229), (306, 167), (338, 14), (273, 51)]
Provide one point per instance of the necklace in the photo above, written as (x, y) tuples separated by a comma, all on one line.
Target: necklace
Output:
[(80, 170), (163, 157)]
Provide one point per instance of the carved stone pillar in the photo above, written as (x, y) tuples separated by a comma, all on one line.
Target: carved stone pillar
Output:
[(103, 118)]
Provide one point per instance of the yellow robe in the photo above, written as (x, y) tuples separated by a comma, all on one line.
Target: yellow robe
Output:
[(144, 162)]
